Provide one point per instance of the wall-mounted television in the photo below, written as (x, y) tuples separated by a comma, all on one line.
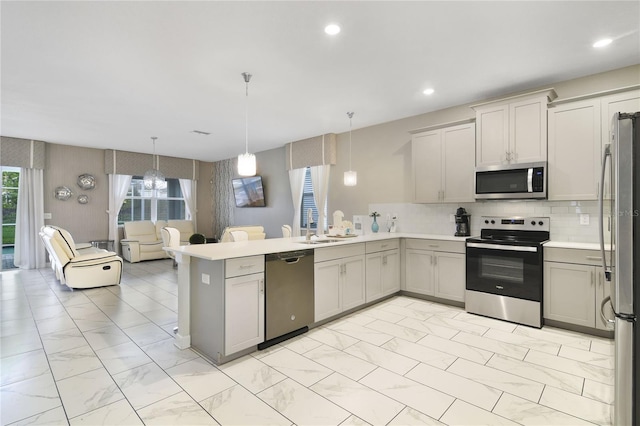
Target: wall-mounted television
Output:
[(248, 191)]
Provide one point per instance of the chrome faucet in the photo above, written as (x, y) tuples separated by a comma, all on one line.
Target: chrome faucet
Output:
[(309, 222)]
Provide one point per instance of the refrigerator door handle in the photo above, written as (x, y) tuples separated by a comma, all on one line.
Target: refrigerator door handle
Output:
[(603, 317), (605, 268)]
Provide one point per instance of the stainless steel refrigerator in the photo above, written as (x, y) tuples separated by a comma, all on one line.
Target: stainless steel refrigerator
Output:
[(623, 156)]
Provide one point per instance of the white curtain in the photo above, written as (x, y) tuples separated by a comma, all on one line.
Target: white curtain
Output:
[(296, 180), (188, 188), (29, 251), (320, 182), (118, 188)]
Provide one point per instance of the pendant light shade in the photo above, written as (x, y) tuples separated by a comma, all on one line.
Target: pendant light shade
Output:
[(153, 178), (350, 177), (246, 161)]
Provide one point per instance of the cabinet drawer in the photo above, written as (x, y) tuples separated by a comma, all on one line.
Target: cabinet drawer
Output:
[(374, 246), (243, 266), (577, 256), (339, 252), (435, 245)]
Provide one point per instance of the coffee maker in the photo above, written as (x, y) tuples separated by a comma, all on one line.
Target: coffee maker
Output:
[(462, 223)]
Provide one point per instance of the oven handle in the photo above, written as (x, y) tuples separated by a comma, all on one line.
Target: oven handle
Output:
[(503, 247)]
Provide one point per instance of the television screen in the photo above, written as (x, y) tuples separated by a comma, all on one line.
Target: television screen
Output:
[(248, 192)]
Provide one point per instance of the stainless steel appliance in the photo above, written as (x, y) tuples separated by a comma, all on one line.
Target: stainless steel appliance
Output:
[(505, 269), (289, 300), (462, 223), (512, 181), (624, 270)]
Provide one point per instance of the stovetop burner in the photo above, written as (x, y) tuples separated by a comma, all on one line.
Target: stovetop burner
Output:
[(513, 230)]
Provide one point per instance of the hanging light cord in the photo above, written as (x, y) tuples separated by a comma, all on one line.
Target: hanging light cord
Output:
[(153, 159), (350, 114), (247, 78)]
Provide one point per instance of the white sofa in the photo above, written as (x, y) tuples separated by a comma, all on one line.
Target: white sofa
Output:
[(80, 267), (143, 238), (254, 232)]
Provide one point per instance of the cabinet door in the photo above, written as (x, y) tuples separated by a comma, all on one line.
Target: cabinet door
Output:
[(419, 271), (374, 276), (492, 141), (352, 288), (450, 276), (244, 312), (327, 278), (574, 151), (620, 102), (603, 290), (569, 293), (528, 130), (426, 156), (458, 163), (390, 272)]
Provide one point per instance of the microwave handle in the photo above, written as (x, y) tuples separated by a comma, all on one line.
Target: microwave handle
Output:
[(530, 179)]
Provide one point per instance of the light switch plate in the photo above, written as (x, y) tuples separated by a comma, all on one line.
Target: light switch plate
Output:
[(205, 279), (47, 216), (584, 219)]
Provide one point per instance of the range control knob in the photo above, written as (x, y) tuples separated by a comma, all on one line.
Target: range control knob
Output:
[(486, 221), (533, 222), (541, 223), (493, 222)]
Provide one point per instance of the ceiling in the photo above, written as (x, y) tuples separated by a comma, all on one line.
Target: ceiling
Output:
[(113, 74)]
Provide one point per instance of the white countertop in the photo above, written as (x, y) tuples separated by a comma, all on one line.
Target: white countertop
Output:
[(574, 245), (220, 251)]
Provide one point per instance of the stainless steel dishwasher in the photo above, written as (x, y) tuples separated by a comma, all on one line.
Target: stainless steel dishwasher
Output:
[(288, 295)]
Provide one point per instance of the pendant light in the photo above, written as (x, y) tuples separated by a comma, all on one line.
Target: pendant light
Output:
[(350, 177), (153, 178), (246, 161)]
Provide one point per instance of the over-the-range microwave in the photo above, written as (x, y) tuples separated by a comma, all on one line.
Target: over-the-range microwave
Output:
[(511, 182)]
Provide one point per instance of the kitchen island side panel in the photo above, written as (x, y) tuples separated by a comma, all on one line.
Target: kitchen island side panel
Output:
[(207, 307)]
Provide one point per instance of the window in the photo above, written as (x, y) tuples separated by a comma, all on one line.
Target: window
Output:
[(149, 204), (308, 202), (10, 179)]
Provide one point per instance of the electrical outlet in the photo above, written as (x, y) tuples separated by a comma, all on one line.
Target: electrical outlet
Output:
[(47, 216), (205, 279), (584, 219)]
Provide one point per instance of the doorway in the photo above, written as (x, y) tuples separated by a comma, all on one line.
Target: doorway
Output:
[(10, 180)]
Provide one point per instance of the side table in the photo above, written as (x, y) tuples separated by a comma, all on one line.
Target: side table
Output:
[(102, 244)]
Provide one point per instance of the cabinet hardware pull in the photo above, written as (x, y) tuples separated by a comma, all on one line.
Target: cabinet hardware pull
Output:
[(262, 286), (599, 259), (433, 245), (592, 278), (383, 245)]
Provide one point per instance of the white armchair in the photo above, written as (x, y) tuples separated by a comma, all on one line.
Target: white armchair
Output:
[(80, 268), (254, 232), (143, 241), (171, 239), (184, 227)]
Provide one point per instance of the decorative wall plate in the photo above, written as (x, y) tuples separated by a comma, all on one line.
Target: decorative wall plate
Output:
[(63, 193), (83, 199), (86, 181)]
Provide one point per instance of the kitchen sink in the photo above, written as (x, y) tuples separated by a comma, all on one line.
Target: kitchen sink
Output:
[(314, 242)]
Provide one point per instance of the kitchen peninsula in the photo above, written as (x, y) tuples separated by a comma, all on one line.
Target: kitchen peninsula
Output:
[(221, 286)]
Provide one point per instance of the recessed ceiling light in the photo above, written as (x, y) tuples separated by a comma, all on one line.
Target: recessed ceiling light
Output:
[(602, 43), (428, 91), (332, 29)]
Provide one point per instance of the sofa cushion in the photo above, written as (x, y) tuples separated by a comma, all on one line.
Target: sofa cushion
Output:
[(185, 227), (143, 231)]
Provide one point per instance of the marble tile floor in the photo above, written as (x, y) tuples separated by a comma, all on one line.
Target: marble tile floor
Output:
[(106, 356)]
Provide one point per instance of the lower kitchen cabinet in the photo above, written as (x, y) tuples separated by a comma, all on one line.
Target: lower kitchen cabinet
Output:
[(382, 269), (244, 312), (435, 268), (339, 277), (227, 306), (574, 287)]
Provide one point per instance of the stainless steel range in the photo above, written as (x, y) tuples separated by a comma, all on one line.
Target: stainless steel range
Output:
[(505, 269)]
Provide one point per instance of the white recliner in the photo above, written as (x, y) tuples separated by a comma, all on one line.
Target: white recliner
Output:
[(80, 268), (143, 241), (171, 239)]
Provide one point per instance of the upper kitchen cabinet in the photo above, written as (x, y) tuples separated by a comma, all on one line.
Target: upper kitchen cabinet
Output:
[(443, 163), (513, 130), (579, 128)]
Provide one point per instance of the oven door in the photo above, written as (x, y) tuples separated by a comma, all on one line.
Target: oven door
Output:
[(505, 269)]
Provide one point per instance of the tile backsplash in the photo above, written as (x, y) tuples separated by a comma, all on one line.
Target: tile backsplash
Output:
[(438, 218)]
